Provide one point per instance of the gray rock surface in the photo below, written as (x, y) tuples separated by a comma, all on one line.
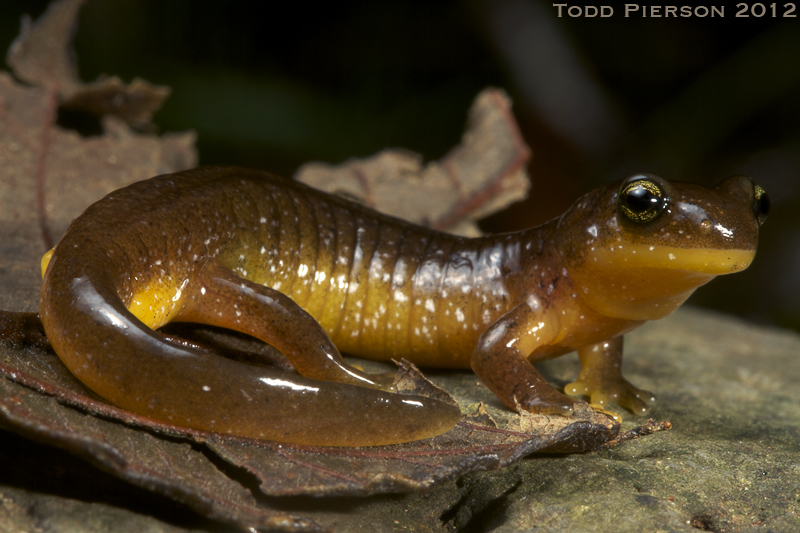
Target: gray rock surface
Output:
[(730, 463)]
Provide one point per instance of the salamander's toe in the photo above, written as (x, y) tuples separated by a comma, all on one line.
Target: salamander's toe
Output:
[(619, 391)]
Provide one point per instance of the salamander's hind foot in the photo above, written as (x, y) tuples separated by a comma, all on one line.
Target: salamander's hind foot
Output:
[(383, 381), (546, 402), (617, 390)]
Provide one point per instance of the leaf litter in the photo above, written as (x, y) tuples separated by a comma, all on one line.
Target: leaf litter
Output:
[(49, 174)]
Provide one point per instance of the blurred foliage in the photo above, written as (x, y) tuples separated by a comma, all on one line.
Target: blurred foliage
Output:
[(272, 85)]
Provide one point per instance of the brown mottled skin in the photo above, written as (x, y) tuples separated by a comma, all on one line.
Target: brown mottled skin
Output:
[(313, 274)]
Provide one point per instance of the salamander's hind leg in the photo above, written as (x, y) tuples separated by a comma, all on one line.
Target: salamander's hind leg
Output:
[(221, 298), (601, 378)]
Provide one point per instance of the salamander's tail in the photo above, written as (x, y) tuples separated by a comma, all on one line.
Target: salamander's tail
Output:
[(116, 355)]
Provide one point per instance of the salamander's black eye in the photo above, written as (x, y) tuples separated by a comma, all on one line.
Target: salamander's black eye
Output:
[(761, 205), (641, 199)]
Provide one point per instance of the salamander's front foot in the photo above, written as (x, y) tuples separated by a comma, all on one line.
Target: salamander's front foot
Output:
[(546, 402), (618, 390), (601, 379)]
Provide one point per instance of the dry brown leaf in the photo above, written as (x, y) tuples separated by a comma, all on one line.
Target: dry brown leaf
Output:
[(48, 175), (483, 174), (41, 56), (134, 103)]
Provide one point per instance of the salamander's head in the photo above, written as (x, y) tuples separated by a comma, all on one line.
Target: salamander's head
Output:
[(637, 249)]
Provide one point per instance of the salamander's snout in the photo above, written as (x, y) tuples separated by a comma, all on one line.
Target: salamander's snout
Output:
[(746, 190)]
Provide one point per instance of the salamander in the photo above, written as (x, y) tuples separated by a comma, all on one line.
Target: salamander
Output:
[(315, 275)]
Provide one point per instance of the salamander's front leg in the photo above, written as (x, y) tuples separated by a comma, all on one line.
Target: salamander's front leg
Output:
[(601, 378), (501, 361), (221, 298)]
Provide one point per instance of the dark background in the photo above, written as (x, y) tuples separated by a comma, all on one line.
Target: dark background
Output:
[(272, 85)]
